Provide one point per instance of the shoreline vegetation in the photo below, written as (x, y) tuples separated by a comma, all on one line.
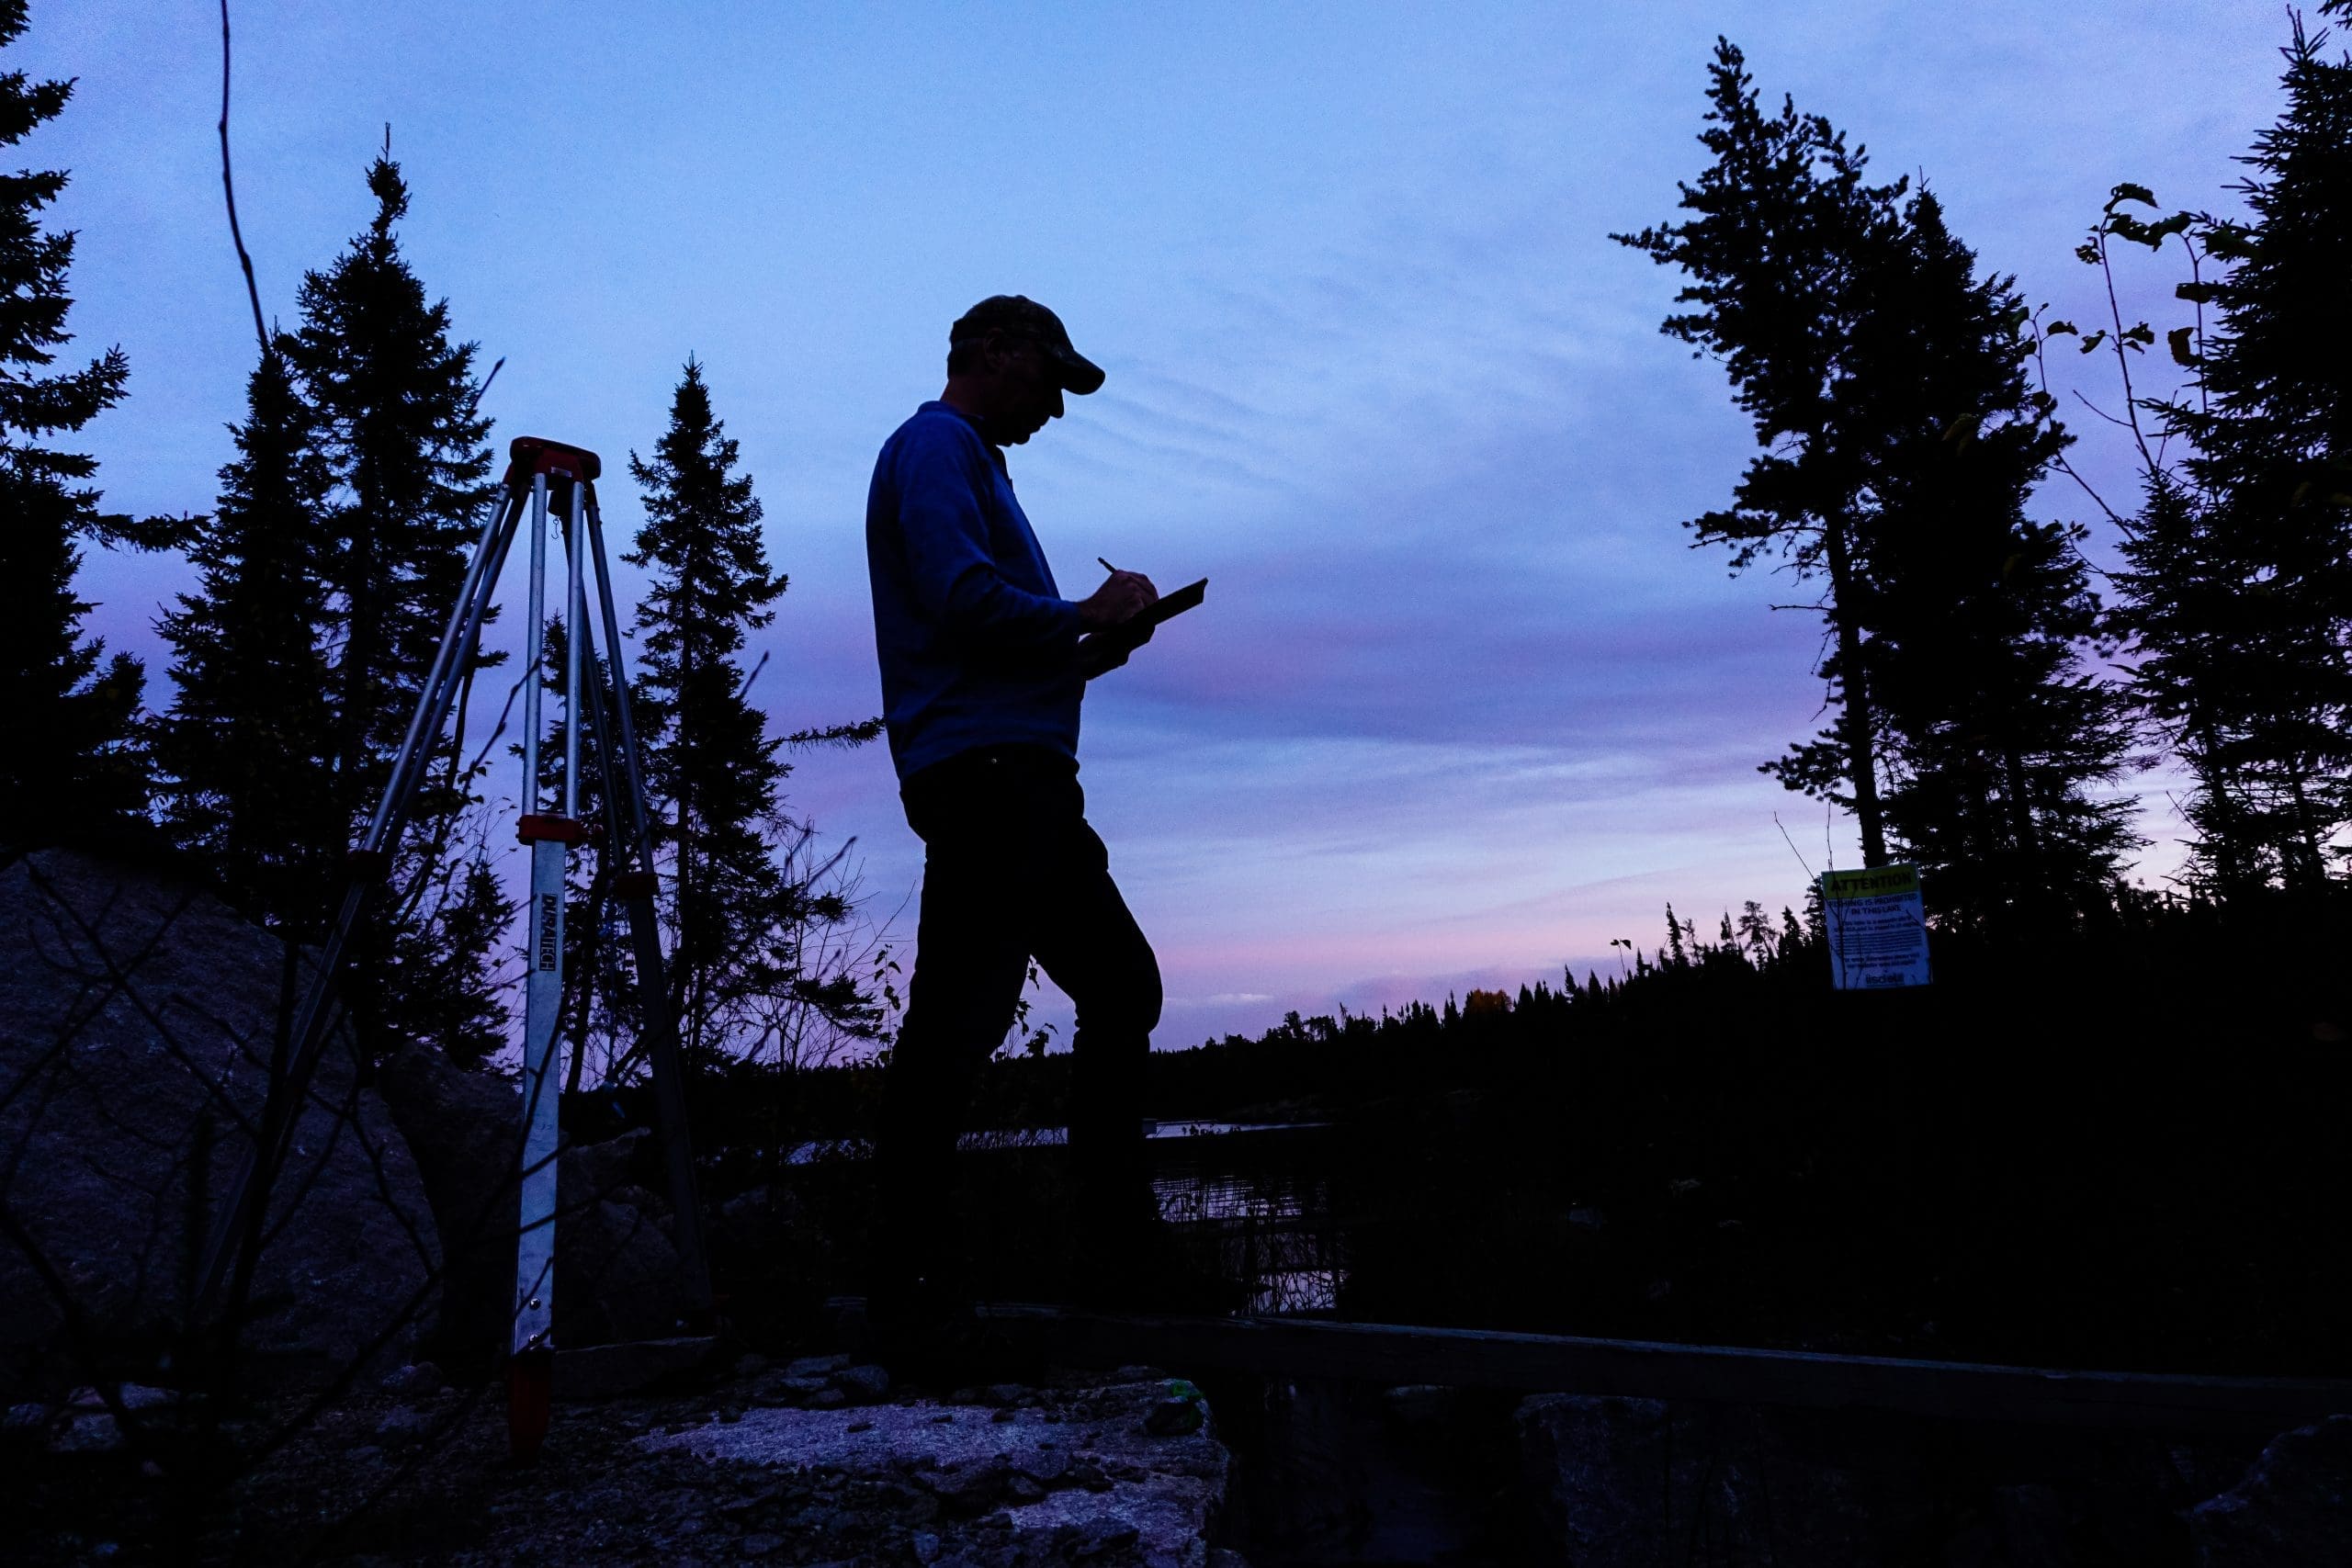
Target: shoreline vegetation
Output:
[(2107, 1151)]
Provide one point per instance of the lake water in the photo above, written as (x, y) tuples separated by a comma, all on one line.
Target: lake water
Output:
[(1040, 1138), (1241, 1199), (1258, 1211)]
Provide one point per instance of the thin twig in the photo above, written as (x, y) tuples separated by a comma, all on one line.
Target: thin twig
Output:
[(742, 691), (2122, 358), (2122, 423), (486, 380), (229, 192)]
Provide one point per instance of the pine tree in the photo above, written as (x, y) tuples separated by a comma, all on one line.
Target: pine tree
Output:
[(713, 766), (1997, 739), (246, 753), (1780, 221), (2209, 647), (1887, 384), (73, 761), (2240, 570), (404, 449), (395, 399), (749, 960)]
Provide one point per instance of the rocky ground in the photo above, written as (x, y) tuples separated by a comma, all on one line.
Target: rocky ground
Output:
[(137, 1022), (812, 1461)]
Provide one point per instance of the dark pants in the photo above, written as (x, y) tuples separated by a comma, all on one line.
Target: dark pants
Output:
[(1011, 871)]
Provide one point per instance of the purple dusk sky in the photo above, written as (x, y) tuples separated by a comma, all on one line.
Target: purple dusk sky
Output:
[(1462, 706)]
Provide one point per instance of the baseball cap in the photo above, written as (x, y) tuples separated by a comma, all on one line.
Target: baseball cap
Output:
[(1018, 314)]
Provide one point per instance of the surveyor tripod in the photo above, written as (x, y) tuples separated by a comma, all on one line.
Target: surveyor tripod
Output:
[(543, 478)]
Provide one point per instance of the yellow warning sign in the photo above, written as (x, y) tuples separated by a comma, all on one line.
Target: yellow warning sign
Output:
[(1881, 882), (1878, 927)]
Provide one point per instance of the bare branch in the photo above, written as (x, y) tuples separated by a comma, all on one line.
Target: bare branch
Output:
[(229, 192), (2102, 413)]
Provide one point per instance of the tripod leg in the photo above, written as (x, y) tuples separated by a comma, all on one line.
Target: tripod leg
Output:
[(542, 988), (535, 642), (618, 844), (543, 991), (531, 1367), (424, 723), (575, 626), (630, 751), (236, 1222), (645, 943), (530, 1370)]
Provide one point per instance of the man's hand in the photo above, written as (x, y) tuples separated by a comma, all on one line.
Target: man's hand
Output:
[(1122, 597), (1099, 652)]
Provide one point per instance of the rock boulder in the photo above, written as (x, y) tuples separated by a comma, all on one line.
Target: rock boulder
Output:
[(2293, 1508), (137, 1017), (1622, 1481)]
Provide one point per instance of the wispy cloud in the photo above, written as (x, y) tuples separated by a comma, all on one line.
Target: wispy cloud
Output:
[(1461, 703)]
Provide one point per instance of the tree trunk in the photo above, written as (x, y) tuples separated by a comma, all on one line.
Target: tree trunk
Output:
[(358, 673), (1855, 724), (2301, 867), (2036, 899), (682, 966), (2233, 858)]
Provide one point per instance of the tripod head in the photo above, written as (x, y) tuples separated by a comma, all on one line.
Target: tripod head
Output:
[(530, 455)]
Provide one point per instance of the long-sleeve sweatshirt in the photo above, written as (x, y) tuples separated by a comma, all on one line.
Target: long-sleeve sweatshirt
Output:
[(977, 648)]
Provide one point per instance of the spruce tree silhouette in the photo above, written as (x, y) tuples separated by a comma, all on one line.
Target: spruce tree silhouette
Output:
[(404, 448), (1888, 386), (1782, 220), (1998, 741), (246, 755), (740, 916), (74, 762), (2239, 570)]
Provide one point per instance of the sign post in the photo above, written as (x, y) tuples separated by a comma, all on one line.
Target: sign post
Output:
[(1878, 929)]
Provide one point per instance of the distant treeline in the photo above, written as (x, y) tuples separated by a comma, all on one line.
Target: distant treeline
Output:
[(1302, 1068), (2176, 992), (2113, 1151)]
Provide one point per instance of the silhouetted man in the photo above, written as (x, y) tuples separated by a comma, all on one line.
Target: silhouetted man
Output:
[(984, 665)]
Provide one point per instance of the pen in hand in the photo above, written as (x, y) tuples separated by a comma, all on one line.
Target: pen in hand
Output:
[(1133, 608)]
